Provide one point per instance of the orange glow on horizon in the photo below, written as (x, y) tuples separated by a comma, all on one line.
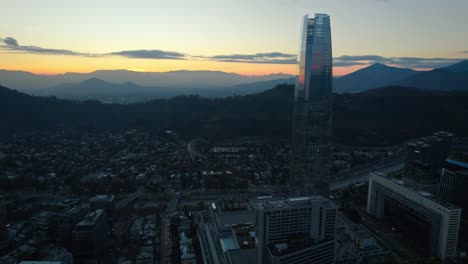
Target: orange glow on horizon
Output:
[(52, 65), (337, 71)]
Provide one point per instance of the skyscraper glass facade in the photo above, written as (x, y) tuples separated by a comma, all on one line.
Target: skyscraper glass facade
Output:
[(312, 120)]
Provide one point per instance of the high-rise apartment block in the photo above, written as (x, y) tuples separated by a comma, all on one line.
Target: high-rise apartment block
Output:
[(295, 230)]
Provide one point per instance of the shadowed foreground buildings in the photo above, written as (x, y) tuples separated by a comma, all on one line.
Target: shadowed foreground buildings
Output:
[(295, 230), (227, 236), (270, 230), (90, 235), (424, 160), (436, 222), (453, 188), (312, 117)]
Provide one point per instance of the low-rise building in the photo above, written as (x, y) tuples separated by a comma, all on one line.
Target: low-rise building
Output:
[(103, 201)]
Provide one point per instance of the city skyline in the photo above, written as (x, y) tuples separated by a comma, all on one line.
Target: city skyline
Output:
[(236, 36), (233, 132)]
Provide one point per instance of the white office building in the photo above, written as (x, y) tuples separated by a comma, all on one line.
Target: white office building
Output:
[(443, 218)]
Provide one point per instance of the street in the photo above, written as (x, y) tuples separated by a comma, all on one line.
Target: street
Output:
[(361, 176), (165, 221)]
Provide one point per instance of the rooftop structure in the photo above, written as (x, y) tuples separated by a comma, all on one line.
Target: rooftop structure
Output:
[(103, 198), (90, 219), (458, 163), (227, 236), (103, 201)]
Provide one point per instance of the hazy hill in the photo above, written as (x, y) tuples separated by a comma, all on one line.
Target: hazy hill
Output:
[(258, 87), (462, 66), (452, 78), (130, 86), (128, 92), (29, 82), (374, 76), (376, 117), (97, 89)]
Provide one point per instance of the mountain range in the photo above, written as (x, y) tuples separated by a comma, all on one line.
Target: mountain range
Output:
[(451, 78), (374, 76), (129, 83), (124, 86)]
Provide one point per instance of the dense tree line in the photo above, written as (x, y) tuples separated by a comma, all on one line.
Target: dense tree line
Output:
[(377, 117)]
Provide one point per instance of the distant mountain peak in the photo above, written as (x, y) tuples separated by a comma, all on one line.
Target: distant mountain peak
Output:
[(379, 65), (129, 84), (373, 76), (94, 81)]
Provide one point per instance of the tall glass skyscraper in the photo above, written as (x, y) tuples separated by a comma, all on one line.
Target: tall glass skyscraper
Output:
[(312, 120)]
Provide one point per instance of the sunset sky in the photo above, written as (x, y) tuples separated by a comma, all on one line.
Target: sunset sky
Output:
[(252, 37)]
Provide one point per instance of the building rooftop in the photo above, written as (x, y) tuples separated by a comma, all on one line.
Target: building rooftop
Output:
[(422, 194), (275, 203), (293, 244), (42, 216), (40, 262), (90, 218), (243, 256), (458, 163), (244, 234), (228, 243), (228, 219), (51, 252), (72, 210), (103, 198)]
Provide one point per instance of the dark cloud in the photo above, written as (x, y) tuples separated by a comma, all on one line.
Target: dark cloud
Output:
[(342, 61), (347, 63), (10, 41), (279, 61), (404, 62), (11, 45), (262, 58), (149, 54), (39, 50), (348, 58)]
